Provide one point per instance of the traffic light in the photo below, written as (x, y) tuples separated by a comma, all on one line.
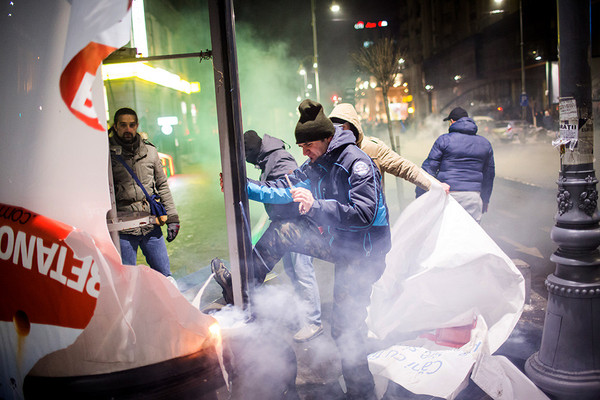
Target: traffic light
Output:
[(335, 99)]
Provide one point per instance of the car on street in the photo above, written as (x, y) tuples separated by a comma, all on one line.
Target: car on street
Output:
[(484, 125), (507, 131)]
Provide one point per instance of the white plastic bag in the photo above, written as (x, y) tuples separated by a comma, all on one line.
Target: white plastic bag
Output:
[(424, 367), (442, 271)]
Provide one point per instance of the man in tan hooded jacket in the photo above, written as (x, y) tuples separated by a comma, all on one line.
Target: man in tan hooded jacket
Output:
[(385, 158)]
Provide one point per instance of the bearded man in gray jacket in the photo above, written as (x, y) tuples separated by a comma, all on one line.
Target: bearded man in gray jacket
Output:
[(142, 157)]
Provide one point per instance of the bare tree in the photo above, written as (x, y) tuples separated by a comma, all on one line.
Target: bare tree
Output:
[(381, 61)]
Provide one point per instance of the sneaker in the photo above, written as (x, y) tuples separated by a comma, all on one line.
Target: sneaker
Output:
[(308, 332), (223, 278)]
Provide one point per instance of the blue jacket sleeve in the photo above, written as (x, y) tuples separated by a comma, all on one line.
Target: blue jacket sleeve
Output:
[(434, 159), (489, 172), (432, 163), (274, 191), (365, 201)]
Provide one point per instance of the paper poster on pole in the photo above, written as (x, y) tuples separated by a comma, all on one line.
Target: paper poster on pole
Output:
[(569, 122)]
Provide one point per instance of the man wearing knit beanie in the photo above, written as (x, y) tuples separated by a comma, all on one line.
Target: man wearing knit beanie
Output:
[(313, 124), (344, 220), (314, 131)]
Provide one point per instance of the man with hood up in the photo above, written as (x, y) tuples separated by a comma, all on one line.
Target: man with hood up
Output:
[(344, 221), (465, 161), (274, 161), (385, 158)]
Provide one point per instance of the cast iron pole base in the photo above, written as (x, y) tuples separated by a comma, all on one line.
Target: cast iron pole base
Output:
[(568, 363), (566, 367)]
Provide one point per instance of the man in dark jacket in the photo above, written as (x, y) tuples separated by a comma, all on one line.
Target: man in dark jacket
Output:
[(345, 221), (142, 157), (464, 161), (270, 156)]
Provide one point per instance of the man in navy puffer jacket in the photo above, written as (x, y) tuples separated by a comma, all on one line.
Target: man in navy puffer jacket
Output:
[(464, 161)]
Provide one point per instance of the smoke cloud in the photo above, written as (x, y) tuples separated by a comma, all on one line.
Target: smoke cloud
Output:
[(262, 362)]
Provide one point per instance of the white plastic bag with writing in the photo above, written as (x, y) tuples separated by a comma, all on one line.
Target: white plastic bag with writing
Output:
[(425, 367), (442, 271)]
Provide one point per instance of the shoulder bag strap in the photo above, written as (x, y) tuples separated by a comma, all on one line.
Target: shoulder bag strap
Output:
[(133, 175)]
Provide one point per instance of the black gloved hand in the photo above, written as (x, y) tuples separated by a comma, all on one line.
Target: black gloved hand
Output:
[(172, 231)]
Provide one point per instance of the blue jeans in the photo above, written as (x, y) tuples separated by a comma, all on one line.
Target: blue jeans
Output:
[(300, 269), (153, 247)]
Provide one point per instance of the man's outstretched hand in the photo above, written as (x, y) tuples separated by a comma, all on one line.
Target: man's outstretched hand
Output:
[(304, 197), (446, 187)]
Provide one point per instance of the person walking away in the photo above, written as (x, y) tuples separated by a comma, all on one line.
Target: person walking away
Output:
[(547, 122), (385, 158), (344, 220), (465, 161), (274, 161), (142, 157)]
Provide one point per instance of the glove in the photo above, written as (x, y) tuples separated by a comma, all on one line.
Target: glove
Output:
[(172, 231)]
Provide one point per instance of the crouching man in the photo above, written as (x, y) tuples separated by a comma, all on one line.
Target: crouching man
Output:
[(344, 221)]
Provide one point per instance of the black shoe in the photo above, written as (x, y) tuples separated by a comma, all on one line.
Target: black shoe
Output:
[(223, 278)]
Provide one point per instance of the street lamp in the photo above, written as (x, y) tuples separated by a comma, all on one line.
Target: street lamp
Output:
[(334, 8), (523, 100), (315, 52)]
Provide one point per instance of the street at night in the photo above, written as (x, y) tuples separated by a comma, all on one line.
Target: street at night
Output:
[(150, 247), (519, 220), (520, 216)]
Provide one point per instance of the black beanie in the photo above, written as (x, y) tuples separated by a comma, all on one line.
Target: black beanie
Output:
[(252, 143), (313, 124)]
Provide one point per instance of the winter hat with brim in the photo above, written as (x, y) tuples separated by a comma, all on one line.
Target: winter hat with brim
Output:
[(252, 143), (313, 124)]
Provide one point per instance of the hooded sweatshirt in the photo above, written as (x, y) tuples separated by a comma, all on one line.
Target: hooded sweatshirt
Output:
[(275, 162), (385, 158)]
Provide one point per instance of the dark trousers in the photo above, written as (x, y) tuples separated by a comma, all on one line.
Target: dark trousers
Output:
[(355, 273)]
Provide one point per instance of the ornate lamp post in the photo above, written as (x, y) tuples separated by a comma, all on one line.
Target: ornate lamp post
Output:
[(567, 365)]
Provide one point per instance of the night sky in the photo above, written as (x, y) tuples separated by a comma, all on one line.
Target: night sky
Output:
[(290, 22)]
